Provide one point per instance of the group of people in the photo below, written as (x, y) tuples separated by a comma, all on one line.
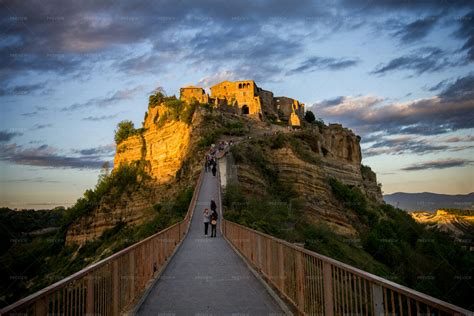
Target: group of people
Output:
[(211, 156), (211, 163), (211, 218)]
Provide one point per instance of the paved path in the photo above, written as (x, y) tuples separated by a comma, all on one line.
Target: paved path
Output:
[(206, 276)]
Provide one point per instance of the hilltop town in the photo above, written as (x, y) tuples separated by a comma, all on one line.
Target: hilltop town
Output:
[(246, 98)]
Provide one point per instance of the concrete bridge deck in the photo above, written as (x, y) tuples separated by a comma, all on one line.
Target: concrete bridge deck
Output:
[(206, 276)]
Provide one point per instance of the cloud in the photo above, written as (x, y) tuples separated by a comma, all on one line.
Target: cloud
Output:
[(427, 59), (323, 63), (99, 118), (113, 98), (452, 110), (6, 136), (19, 90), (439, 164), (211, 80), (461, 89), (104, 150), (29, 180), (440, 85), (41, 126), (46, 156), (416, 30), (458, 139), (466, 32), (406, 144)]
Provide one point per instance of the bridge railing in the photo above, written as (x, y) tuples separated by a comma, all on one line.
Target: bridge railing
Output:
[(112, 285), (316, 284)]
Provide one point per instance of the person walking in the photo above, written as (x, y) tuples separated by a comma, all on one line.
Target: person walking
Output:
[(214, 169), (206, 163), (207, 220), (214, 218), (213, 206)]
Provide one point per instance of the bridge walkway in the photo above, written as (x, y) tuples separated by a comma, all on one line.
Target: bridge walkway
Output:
[(206, 276)]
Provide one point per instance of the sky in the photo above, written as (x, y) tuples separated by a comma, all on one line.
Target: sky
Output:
[(398, 73)]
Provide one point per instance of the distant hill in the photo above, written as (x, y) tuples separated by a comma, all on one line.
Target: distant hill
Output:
[(429, 201)]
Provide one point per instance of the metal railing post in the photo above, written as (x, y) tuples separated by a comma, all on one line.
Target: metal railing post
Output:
[(377, 300), (328, 290)]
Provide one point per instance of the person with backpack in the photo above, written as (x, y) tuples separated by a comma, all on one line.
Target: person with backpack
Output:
[(207, 220), (214, 218)]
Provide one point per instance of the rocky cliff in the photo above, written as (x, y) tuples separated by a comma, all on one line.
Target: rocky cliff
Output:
[(455, 224), (168, 150), (306, 160)]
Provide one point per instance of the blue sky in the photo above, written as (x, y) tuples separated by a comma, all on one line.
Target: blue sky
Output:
[(398, 73)]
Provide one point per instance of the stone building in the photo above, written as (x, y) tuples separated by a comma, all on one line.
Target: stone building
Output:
[(241, 94), (246, 98), (191, 92)]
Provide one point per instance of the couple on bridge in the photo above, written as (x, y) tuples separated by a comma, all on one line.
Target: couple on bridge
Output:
[(211, 218)]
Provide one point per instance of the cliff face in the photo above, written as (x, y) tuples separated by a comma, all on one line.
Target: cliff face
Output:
[(164, 147), (336, 154)]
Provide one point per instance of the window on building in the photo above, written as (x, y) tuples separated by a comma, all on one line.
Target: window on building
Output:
[(245, 109)]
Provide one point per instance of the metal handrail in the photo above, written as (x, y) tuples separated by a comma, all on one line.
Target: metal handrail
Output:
[(112, 284)]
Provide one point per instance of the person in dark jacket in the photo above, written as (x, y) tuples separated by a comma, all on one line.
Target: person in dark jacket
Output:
[(213, 206), (214, 218), (214, 170)]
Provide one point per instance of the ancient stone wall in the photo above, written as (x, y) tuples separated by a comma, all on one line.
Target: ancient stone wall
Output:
[(187, 94), (242, 93)]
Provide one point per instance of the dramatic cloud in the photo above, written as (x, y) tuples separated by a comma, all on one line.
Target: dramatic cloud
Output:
[(321, 63), (6, 136), (113, 98), (99, 118), (466, 32), (105, 150), (439, 164), (416, 30), (428, 59), (46, 156), (402, 145), (452, 110), (461, 90)]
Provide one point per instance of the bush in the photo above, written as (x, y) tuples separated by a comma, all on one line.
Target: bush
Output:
[(309, 117), (352, 197), (125, 177), (124, 130)]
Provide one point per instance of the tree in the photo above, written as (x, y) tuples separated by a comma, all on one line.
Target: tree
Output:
[(309, 117), (158, 96), (124, 130)]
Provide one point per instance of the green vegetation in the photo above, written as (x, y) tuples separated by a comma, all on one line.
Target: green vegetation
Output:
[(389, 242), (217, 125), (309, 117), (109, 187), (124, 130), (29, 263)]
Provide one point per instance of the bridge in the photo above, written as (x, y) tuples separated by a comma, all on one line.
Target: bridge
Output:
[(179, 271)]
